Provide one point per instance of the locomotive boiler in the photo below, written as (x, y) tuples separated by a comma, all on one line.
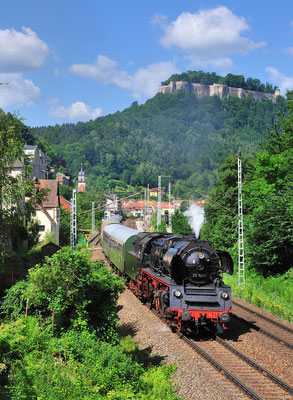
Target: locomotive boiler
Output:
[(180, 276)]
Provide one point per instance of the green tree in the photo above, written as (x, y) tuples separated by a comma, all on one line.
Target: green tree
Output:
[(267, 202), (221, 208), (64, 227), (81, 293), (270, 219), (180, 224), (177, 134), (12, 188)]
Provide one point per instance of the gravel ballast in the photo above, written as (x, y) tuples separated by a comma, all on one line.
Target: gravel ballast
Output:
[(195, 378)]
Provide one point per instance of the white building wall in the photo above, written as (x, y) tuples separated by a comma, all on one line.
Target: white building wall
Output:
[(44, 222)]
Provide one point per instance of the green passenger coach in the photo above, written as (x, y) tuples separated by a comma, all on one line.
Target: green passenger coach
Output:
[(118, 245)]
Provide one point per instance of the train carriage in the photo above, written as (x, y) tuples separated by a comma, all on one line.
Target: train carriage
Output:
[(178, 275), (118, 245)]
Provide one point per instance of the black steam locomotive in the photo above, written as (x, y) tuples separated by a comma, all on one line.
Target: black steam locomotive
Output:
[(180, 276)]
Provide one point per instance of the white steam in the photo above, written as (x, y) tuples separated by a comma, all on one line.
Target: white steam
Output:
[(195, 215)]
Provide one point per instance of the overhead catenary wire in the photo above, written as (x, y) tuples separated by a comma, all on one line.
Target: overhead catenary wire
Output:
[(196, 191), (213, 201), (104, 206)]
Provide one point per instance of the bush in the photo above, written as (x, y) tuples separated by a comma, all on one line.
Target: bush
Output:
[(79, 292), (273, 294), (75, 366), (77, 363), (14, 302)]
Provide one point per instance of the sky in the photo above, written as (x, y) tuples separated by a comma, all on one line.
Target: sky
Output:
[(66, 61)]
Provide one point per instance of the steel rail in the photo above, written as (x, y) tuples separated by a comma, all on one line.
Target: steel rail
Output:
[(257, 328), (213, 362), (220, 368), (268, 374), (286, 328), (246, 389)]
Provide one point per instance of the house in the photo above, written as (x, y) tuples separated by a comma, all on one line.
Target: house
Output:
[(113, 205), (18, 168), (63, 179), (37, 159), (140, 207), (47, 214), (154, 192), (65, 203)]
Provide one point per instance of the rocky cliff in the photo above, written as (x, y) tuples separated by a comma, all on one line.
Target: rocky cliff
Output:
[(222, 91)]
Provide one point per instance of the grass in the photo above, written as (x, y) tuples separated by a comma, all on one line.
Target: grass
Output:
[(273, 294)]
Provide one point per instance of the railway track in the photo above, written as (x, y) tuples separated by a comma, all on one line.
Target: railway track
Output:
[(130, 223), (255, 381), (250, 377), (263, 324)]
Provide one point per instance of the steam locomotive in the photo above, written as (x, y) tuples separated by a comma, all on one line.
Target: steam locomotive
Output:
[(180, 276)]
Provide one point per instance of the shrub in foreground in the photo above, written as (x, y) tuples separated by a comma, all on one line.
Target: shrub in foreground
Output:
[(68, 286), (75, 365)]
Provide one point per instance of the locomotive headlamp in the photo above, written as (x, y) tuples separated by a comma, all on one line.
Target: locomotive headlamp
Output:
[(225, 295), (185, 315), (225, 317), (201, 256), (177, 293)]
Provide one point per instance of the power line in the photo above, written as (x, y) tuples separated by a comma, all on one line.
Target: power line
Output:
[(104, 206), (213, 201)]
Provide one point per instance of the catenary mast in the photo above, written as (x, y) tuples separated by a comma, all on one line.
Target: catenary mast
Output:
[(241, 269)]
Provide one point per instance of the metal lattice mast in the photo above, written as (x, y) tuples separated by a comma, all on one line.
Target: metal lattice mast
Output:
[(93, 217), (241, 269), (148, 205), (73, 220), (159, 202), (57, 226), (170, 220), (144, 207)]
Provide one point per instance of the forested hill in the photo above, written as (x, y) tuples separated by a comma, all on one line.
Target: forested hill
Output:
[(171, 134)]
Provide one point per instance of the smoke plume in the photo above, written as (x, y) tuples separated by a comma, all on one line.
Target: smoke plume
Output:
[(195, 215)]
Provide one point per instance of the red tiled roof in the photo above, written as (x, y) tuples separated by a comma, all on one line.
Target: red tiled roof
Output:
[(65, 203), (51, 199), (140, 204)]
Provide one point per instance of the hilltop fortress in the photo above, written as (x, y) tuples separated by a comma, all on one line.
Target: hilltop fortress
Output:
[(222, 91)]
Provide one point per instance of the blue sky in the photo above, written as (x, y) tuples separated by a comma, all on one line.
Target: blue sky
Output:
[(69, 61)]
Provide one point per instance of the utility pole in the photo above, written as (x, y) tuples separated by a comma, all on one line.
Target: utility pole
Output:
[(93, 217), (73, 221), (241, 269), (159, 202)]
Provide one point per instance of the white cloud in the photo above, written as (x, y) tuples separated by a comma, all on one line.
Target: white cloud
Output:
[(78, 111), (209, 36), (225, 63), (18, 91), (103, 69), (282, 81), (289, 51), (21, 51), (144, 82), (160, 20)]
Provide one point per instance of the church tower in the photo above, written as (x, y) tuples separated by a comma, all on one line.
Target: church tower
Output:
[(81, 181)]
